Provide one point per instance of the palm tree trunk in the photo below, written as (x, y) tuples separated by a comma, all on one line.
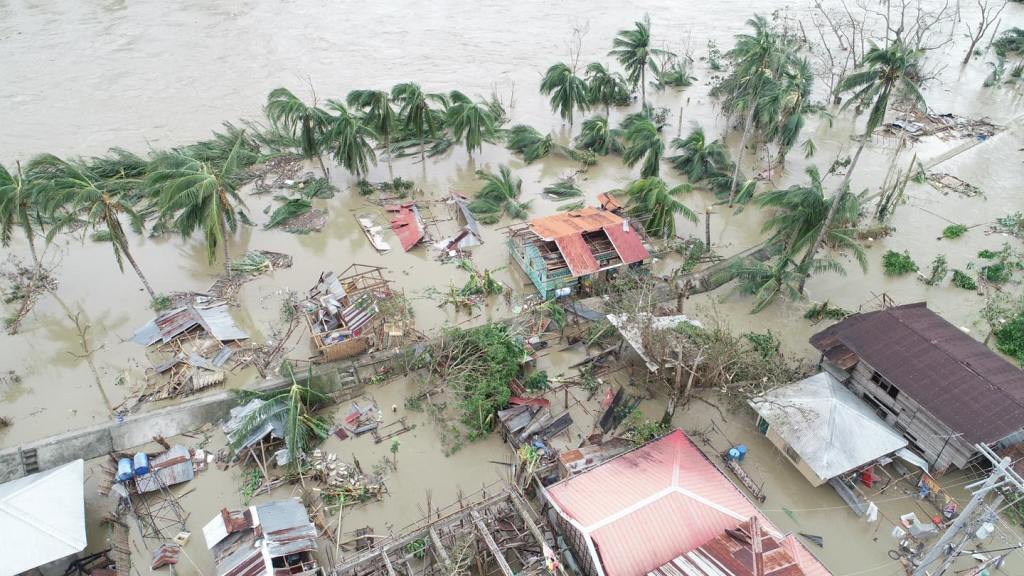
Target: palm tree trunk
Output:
[(836, 200), (323, 168), (423, 148), (739, 154), (643, 88), (32, 248), (387, 150), (135, 266), (227, 253)]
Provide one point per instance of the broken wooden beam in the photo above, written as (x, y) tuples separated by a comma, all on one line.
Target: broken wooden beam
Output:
[(439, 549), (495, 551), (387, 563), (526, 512)]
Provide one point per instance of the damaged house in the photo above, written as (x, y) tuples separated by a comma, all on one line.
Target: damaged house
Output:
[(270, 539), (559, 251)]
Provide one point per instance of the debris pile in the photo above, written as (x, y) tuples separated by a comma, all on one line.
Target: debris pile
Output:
[(342, 480), (916, 125), (946, 183)]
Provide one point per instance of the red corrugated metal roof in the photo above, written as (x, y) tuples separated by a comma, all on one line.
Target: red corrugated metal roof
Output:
[(573, 223), (627, 243), (609, 202), (577, 254), (648, 506), (407, 226)]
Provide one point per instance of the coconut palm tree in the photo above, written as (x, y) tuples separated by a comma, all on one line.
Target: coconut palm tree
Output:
[(597, 137), (77, 195), (527, 141), (605, 88), (783, 110), (416, 112), (886, 73), (471, 122), (378, 114), (567, 90), (348, 137), (499, 193), (18, 208), (799, 212), (651, 199), (632, 48), (195, 195), (306, 122), (643, 142), (699, 159), (781, 276)]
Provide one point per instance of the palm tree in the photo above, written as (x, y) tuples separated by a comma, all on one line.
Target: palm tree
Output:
[(886, 72), (766, 281), (499, 193), (605, 88), (699, 159), (349, 136), (785, 106), (199, 196), (597, 137), (568, 91), (377, 114), (415, 111), (643, 142), (633, 50), (799, 213), (527, 141), (652, 199), (79, 195), (304, 121), (18, 209), (472, 122)]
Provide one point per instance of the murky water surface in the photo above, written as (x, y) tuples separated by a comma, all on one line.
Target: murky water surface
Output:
[(81, 77)]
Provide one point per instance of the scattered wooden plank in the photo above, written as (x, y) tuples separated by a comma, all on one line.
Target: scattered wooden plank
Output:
[(495, 551)]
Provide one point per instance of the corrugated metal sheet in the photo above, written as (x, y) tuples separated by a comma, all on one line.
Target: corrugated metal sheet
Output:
[(576, 222), (644, 508), (609, 202), (577, 255), (172, 467), (407, 225), (627, 243), (731, 554), (215, 319), (218, 323), (959, 380)]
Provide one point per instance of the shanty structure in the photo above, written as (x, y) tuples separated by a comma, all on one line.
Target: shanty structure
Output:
[(343, 311), (940, 388), (468, 234), (265, 438), (557, 251), (823, 428), (647, 507), (172, 467), (42, 518), (635, 328), (213, 317), (271, 539)]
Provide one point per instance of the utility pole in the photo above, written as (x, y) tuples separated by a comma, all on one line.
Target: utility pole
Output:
[(971, 518)]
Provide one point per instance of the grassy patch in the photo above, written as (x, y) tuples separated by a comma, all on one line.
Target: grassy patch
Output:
[(898, 263)]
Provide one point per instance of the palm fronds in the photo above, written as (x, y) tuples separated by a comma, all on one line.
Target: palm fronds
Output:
[(596, 137), (644, 143), (499, 193), (567, 90), (652, 200), (564, 188), (290, 208)]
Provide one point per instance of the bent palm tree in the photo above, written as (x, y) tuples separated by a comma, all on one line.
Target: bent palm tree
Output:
[(377, 114), (499, 193), (567, 90), (605, 88), (653, 200), (471, 122), (766, 281), (887, 72), (597, 137), (416, 112), (643, 142), (699, 159), (786, 105), (198, 196), (18, 209), (632, 48), (82, 196), (349, 136), (304, 121)]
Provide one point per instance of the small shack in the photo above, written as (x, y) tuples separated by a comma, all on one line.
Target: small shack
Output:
[(264, 540), (823, 428), (940, 388), (343, 311), (42, 519), (559, 251), (650, 506)]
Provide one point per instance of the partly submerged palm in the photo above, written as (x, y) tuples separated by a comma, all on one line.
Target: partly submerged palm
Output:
[(471, 122), (567, 90), (653, 200), (644, 143)]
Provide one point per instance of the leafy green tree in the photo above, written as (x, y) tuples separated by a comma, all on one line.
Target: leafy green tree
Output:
[(605, 88), (348, 137), (78, 195), (652, 200), (597, 137), (18, 209), (471, 122), (378, 114), (416, 112), (699, 159), (500, 193), (568, 91), (306, 122), (195, 195), (886, 72), (644, 143), (632, 48)]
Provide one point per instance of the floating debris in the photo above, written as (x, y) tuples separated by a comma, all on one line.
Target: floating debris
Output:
[(917, 125), (947, 183)]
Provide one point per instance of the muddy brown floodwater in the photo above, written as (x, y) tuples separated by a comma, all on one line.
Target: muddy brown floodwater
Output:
[(81, 77)]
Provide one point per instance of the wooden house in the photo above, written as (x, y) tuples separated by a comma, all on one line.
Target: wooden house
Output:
[(934, 383), (560, 250)]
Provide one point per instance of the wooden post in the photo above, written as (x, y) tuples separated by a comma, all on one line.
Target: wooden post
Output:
[(439, 549), (489, 540)]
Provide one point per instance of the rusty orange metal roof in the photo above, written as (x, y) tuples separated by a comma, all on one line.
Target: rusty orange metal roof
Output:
[(573, 223), (627, 243), (609, 202), (577, 254), (407, 224), (646, 507)]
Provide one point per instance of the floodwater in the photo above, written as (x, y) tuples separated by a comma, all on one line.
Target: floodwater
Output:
[(82, 77)]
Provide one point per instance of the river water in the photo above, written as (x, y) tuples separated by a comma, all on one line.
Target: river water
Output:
[(80, 77)]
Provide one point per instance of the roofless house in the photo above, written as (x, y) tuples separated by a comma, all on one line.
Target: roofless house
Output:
[(940, 388), (558, 252)]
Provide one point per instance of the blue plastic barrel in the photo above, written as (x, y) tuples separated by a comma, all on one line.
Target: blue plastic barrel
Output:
[(124, 469), (742, 449), (734, 454), (141, 464)]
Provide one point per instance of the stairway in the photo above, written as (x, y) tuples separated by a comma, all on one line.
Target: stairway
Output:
[(29, 461)]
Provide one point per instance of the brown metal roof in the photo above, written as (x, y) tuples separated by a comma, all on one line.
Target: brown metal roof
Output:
[(573, 223), (959, 380)]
